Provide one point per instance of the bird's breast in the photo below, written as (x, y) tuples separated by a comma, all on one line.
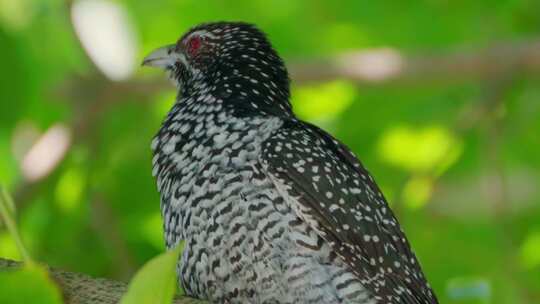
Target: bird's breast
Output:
[(200, 160)]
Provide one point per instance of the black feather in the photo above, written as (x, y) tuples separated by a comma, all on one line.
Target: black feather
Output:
[(341, 201)]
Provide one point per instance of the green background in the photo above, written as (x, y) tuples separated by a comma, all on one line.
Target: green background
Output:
[(457, 156)]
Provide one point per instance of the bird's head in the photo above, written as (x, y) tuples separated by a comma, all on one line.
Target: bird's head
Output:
[(231, 59)]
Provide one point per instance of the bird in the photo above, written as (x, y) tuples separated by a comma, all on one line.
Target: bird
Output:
[(269, 208)]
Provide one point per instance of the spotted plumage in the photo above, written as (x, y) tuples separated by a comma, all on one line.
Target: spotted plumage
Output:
[(271, 208)]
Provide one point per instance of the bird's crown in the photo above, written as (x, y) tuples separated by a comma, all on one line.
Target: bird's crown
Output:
[(235, 60)]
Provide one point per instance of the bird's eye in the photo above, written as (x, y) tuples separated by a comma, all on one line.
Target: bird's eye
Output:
[(193, 45)]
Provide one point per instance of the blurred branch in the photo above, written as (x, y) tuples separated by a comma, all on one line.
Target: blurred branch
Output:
[(367, 67), (370, 67), (94, 94), (82, 289), (482, 112), (497, 186)]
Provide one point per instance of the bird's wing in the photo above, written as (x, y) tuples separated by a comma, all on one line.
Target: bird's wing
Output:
[(329, 189)]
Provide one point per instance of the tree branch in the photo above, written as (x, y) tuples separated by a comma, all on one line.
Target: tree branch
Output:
[(82, 289), (364, 67), (378, 66)]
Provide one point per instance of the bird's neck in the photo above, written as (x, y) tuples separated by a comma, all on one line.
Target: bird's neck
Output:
[(241, 92), (198, 125)]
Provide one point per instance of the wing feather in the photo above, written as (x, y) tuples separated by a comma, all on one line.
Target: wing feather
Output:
[(328, 188)]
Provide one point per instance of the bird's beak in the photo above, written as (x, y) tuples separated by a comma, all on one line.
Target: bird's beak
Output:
[(162, 58)]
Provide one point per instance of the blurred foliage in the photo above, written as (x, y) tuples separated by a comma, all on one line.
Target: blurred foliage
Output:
[(465, 189), (30, 283)]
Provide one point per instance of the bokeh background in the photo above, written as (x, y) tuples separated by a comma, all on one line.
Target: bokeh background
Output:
[(440, 99)]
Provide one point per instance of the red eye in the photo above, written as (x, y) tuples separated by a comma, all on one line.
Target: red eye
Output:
[(193, 45)]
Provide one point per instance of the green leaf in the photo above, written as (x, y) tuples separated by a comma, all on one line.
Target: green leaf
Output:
[(156, 281), (428, 149), (323, 102), (418, 191), (10, 205), (29, 284), (7, 214), (530, 250)]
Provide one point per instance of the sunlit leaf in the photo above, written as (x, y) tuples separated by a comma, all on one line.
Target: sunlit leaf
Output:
[(156, 281), (152, 230), (418, 150), (323, 102), (417, 192), (16, 15), (70, 188), (530, 250), (7, 214), (30, 284), (8, 248)]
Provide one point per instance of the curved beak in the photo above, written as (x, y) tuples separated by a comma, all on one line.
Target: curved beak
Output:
[(162, 58)]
